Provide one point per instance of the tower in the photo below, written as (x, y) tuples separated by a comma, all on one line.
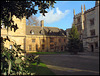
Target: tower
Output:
[(82, 17)]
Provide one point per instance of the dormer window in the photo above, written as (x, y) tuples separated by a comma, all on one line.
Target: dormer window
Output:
[(32, 32)]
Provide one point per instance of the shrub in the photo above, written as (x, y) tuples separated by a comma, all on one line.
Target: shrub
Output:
[(13, 62)]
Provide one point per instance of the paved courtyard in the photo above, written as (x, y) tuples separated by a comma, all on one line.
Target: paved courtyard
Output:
[(63, 64)]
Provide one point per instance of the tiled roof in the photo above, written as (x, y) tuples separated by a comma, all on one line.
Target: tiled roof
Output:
[(38, 30)]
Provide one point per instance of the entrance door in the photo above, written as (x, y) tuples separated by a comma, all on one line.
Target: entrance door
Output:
[(92, 48)]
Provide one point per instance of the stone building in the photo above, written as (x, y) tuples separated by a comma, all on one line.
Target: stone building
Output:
[(35, 38), (87, 23)]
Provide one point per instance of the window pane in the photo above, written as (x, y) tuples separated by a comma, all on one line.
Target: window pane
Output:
[(43, 40), (51, 39), (96, 45), (59, 40), (30, 47), (51, 46), (33, 40), (92, 32), (91, 21), (42, 46)]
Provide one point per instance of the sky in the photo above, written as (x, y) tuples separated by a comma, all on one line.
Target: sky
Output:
[(62, 15)]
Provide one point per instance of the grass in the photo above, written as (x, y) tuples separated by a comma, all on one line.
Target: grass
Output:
[(50, 53), (41, 69)]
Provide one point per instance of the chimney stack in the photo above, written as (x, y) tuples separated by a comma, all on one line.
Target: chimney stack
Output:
[(42, 23)]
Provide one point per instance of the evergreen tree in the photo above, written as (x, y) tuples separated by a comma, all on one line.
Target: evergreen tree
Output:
[(73, 40)]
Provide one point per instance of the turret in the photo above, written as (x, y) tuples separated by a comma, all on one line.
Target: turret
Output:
[(74, 11), (84, 8), (81, 9)]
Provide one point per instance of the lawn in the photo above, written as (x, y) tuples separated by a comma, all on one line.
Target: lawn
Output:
[(50, 53), (41, 69)]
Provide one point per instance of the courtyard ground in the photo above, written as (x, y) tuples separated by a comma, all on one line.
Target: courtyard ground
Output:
[(86, 63)]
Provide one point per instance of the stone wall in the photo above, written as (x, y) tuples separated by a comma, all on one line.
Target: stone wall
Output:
[(39, 43)]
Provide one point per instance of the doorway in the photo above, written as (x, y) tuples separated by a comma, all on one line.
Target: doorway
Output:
[(92, 48)]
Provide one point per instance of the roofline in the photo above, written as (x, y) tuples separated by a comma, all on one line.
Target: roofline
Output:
[(40, 26)]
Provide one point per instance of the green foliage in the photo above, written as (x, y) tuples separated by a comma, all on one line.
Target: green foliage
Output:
[(74, 40), (12, 62)]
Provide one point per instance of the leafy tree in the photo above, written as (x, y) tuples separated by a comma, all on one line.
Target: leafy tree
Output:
[(11, 59), (33, 20), (73, 40)]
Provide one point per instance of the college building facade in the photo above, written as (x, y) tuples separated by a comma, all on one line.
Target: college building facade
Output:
[(87, 23), (35, 38)]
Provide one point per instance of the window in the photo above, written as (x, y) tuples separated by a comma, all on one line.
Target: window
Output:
[(33, 40), (51, 46), (91, 21), (79, 27), (43, 40), (43, 46), (11, 46), (80, 36), (92, 32), (59, 40), (78, 20), (30, 47), (64, 40), (51, 39), (61, 48), (36, 47), (96, 44), (32, 32)]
